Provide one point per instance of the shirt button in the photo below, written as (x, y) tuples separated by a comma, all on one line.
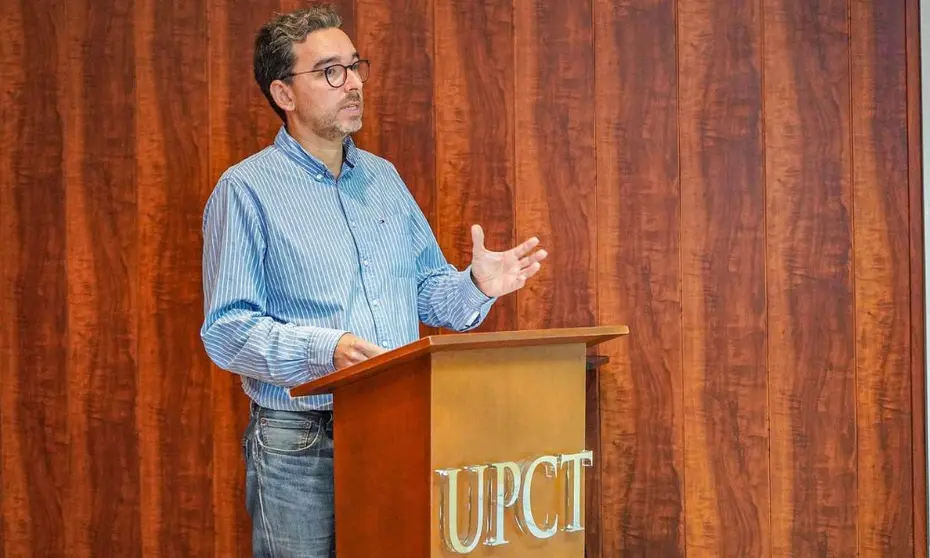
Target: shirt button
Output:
[(384, 344), (376, 302), (366, 262), (352, 224), (319, 177)]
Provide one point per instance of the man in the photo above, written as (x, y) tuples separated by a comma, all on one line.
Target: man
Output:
[(316, 257)]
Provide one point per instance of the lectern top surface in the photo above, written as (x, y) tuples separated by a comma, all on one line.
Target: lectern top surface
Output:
[(590, 336)]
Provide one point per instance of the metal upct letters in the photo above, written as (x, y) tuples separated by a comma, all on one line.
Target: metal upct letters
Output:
[(505, 485)]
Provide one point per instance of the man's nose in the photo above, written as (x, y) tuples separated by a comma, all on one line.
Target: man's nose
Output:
[(353, 81)]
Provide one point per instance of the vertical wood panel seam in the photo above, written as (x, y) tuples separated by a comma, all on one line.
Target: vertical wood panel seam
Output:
[(209, 165), (763, 126), (66, 127), (432, 107), (910, 282), (917, 375), (137, 7), (66, 120), (851, 144), (135, 286), (597, 180), (597, 307), (513, 146), (513, 141), (681, 345)]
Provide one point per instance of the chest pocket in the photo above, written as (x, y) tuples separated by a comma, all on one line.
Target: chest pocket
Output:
[(396, 242)]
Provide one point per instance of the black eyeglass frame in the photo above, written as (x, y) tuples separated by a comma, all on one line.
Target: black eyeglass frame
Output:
[(345, 72)]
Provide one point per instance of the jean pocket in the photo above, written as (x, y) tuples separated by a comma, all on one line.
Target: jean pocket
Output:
[(288, 436)]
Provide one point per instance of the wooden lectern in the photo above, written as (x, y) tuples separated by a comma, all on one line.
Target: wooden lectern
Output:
[(463, 444)]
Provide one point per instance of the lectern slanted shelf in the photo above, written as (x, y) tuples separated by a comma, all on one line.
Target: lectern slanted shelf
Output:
[(463, 444)]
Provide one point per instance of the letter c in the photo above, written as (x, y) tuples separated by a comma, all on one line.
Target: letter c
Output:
[(526, 509)]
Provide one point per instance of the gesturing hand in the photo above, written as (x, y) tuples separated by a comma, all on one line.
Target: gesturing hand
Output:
[(352, 350), (500, 273)]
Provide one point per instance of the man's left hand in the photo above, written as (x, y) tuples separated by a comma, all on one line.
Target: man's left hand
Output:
[(500, 273)]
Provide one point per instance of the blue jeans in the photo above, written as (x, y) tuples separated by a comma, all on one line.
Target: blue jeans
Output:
[(289, 483)]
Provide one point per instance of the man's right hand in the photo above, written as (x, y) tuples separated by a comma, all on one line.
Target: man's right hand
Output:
[(352, 350)]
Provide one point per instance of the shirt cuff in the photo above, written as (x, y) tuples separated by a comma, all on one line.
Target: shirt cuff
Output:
[(320, 350), (471, 294)]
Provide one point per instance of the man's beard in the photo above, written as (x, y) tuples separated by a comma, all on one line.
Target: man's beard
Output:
[(330, 127)]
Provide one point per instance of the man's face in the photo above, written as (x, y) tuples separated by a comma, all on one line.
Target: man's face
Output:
[(331, 112)]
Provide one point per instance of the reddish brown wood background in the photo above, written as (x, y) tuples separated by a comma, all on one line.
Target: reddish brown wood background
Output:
[(738, 181)]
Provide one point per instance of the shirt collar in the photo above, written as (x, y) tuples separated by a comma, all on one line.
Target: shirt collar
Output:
[(286, 143)]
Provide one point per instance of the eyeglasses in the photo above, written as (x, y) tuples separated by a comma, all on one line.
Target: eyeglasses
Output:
[(336, 74)]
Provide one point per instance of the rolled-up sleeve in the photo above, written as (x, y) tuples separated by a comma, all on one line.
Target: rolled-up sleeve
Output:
[(237, 333)]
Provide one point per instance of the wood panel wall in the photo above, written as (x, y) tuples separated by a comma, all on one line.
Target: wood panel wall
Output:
[(738, 181)]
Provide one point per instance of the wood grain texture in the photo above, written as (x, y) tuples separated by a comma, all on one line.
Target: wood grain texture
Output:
[(723, 279), (918, 403), (346, 9), (174, 403), (810, 292), (366, 483), (96, 63), (882, 273), (242, 122), (638, 278), (34, 461), (474, 134), (11, 74), (397, 36), (555, 159)]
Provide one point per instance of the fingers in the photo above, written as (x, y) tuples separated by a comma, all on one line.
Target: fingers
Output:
[(347, 357), (527, 273), (368, 349), (531, 271), (477, 238), (537, 256), (520, 280), (351, 350), (524, 248)]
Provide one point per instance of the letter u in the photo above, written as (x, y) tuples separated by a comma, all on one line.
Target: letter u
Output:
[(449, 508)]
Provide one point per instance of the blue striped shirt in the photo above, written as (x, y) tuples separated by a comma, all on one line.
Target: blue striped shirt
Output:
[(294, 257)]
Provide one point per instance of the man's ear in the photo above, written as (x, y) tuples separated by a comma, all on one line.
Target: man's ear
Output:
[(282, 95)]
